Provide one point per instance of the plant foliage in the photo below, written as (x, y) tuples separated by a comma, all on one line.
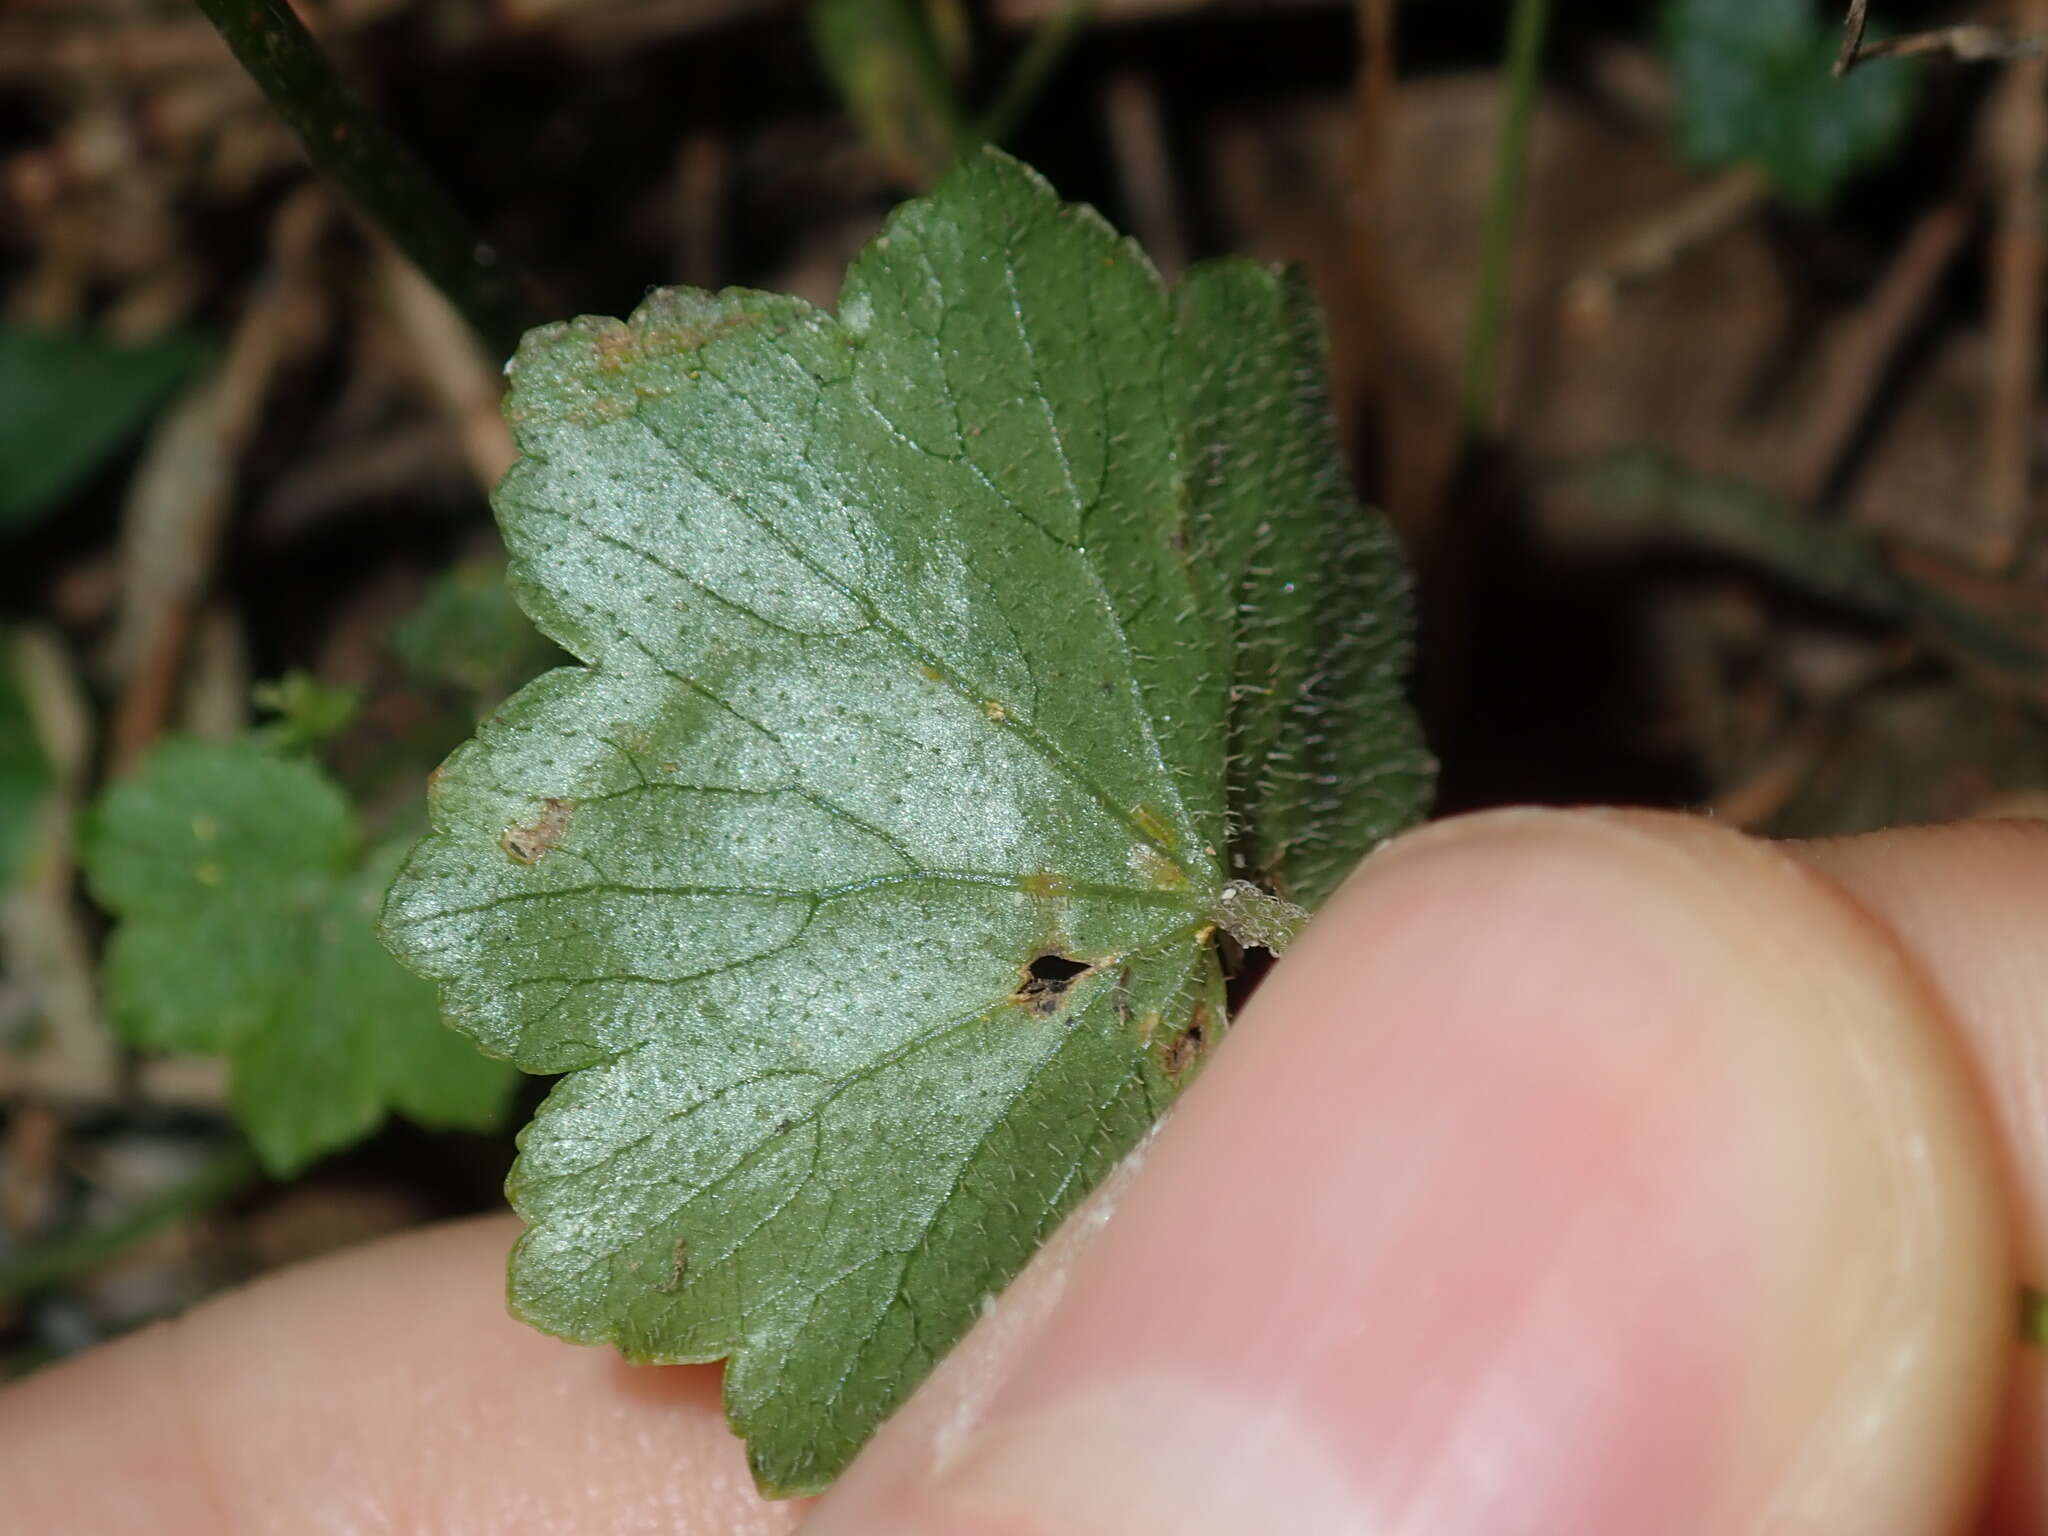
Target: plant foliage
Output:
[(25, 780), (246, 911), (955, 671), (1756, 86), (70, 399)]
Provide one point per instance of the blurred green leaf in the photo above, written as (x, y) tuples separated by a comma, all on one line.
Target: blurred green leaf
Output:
[(68, 400), (246, 928), (468, 632), (25, 778), (1756, 86), (308, 711), (890, 67), (1913, 754)]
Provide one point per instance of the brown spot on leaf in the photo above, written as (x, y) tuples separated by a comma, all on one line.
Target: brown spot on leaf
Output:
[(674, 1282), (1154, 866), (615, 346), (1184, 1048), (1153, 825), (526, 844), (1046, 981), (620, 346)]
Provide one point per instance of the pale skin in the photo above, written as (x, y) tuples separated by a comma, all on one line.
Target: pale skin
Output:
[(1602, 1174)]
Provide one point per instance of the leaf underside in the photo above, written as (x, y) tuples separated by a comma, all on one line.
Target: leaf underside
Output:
[(944, 661)]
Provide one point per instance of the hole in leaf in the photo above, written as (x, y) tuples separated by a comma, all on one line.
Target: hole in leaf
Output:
[(1243, 970), (1046, 980), (1183, 1049)]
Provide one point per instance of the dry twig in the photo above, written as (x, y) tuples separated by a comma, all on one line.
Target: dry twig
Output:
[(446, 356), (179, 501), (2017, 129), (1858, 352), (1969, 44), (1144, 170), (73, 1059), (1769, 786), (1657, 246)]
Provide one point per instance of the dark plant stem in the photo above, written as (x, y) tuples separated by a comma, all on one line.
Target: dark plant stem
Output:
[(380, 175), (1526, 31), (1041, 57), (2034, 1316), (224, 1174), (1969, 43)]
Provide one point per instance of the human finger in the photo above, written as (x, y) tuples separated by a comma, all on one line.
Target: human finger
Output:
[(1575, 1173), (1969, 902), (385, 1389)]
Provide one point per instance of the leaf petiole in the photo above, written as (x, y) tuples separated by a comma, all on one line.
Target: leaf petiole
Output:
[(1256, 918)]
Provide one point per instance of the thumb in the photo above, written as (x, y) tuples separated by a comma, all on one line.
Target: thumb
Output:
[(1588, 1173)]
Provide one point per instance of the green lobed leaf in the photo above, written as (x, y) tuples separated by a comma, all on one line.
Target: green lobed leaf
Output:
[(468, 632), (67, 401), (865, 881), (307, 711), (26, 780), (247, 928), (1325, 756), (1756, 85)]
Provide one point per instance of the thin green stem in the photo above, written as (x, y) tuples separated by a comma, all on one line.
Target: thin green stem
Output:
[(2034, 1316), (347, 141), (1526, 30), (1041, 57), (224, 1174), (891, 70)]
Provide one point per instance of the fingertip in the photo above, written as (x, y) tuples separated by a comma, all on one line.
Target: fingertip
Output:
[(1574, 1173), (382, 1389), (1969, 902)]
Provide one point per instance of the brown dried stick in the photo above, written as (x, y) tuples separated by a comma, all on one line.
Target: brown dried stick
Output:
[(1860, 349), (1972, 43), (2018, 155), (1359, 382), (1144, 170), (1852, 37), (447, 358), (34, 52), (46, 950), (1657, 246), (179, 502)]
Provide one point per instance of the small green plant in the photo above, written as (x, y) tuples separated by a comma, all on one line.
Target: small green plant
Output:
[(467, 635), (965, 679), (246, 907), (899, 66), (1756, 86)]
